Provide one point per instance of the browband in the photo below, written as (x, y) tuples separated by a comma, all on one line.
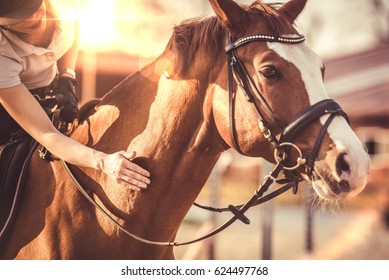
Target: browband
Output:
[(265, 38)]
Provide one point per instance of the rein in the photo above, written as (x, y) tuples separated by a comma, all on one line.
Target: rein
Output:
[(282, 146), (238, 211)]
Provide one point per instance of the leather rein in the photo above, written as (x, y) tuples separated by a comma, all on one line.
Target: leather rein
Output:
[(282, 146)]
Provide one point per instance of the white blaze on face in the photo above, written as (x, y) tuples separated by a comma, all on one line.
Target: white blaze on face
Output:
[(309, 65)]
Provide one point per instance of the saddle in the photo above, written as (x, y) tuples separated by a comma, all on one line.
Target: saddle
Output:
[(15, 156)]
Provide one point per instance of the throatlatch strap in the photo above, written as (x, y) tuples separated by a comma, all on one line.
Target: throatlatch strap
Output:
[(231, 97)]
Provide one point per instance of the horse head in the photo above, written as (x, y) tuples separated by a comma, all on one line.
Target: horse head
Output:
[(274, 70)]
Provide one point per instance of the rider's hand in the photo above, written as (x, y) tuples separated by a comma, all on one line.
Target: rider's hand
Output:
[(121, 169), (65, 93)]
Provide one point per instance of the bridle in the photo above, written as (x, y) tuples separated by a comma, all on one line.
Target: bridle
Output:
[(282, 145)]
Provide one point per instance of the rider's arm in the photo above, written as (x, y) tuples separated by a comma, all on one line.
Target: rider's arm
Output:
[(26, 111)]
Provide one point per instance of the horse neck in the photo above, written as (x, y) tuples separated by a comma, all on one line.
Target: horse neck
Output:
[(169, 123)]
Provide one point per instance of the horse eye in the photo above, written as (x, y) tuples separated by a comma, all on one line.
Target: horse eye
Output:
[(269, 73)]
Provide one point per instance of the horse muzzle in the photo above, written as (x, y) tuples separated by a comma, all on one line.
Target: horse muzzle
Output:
[(342, 172)]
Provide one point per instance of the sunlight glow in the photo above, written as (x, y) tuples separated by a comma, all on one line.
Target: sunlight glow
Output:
[(136, 27), (97, 25)]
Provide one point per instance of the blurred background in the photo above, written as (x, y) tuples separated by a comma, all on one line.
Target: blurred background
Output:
[(352, 36)]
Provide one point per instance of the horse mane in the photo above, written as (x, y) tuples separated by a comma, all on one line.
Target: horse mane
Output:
[(190, 36), (208, 34)]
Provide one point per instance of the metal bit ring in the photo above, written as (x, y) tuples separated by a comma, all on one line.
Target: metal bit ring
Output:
[(300, 160)]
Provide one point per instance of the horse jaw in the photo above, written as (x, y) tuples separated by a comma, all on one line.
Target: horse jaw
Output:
[(342, 168)]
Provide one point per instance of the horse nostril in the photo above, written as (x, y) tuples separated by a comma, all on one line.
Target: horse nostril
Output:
[(342, 164), (344, 186)]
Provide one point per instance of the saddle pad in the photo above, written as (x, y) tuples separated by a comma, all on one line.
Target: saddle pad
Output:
[(14, 158)]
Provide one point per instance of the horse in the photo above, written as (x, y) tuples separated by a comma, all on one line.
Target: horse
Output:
[(176, 114)]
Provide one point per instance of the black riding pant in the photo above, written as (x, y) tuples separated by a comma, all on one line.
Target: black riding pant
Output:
[(7, 126)]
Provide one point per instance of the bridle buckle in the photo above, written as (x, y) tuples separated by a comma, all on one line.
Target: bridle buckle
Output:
[(264, 129)]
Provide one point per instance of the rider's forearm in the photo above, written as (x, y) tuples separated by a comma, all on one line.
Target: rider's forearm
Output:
[(72, 151), (27, 112), (31, 117)]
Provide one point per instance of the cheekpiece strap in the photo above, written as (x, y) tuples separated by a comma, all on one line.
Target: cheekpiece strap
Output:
[(265, 38)]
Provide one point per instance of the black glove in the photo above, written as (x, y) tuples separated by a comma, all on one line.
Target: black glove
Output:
[(65, 93)]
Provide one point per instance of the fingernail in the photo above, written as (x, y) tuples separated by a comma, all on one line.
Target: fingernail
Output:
[(148, 182)]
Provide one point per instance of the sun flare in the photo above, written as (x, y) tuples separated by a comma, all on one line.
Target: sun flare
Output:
[(137, 27), (97, 25)]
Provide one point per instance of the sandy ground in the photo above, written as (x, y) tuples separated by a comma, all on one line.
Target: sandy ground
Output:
[(337, 235)]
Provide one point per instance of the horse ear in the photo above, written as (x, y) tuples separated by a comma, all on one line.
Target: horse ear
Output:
[(292, 9), (229, 13)]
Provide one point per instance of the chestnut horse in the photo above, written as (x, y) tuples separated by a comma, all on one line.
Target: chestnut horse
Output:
[(174, 113)]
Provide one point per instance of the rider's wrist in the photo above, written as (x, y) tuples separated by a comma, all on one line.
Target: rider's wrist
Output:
[(67, 72), (99, 163)]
